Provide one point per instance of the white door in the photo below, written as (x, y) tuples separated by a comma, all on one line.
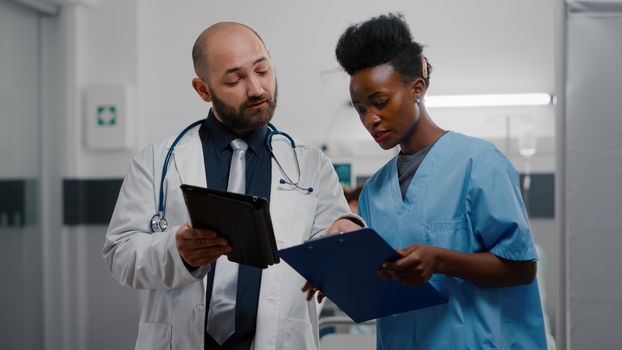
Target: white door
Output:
[(21, 295)]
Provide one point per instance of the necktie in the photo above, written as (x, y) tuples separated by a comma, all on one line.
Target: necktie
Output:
[(221, 314), (237, 169)]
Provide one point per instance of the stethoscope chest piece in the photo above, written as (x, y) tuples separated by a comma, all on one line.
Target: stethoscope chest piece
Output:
[(158, 223)]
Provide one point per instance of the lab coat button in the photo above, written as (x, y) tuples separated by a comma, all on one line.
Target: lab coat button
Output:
[(199, 308)]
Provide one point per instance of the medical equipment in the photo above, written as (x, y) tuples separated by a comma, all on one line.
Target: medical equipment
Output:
[(158, 221)]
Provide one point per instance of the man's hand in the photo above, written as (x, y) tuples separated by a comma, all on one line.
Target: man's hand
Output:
[(339, 226), (342, 225), (199, 247), (416, 266)]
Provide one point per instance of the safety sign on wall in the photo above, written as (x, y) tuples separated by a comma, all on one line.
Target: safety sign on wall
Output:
[(108, 117)]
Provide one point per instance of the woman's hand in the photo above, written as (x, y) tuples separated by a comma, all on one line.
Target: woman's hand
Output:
[(417, 265), (311, 291)]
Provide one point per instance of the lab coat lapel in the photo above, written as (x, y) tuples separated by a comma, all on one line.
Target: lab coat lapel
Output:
[(283, 197), (282, 203), (188, 158), (190, 164)]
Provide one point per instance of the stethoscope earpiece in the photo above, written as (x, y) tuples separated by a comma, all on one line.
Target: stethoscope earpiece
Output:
[(306, 189), (287, 180)]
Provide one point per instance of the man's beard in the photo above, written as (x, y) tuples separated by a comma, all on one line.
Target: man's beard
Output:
[(244, 118)]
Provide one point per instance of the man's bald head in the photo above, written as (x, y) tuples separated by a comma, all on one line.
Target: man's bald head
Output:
[(200, 50)]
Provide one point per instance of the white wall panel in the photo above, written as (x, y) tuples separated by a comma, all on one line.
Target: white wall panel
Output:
[(593, 193)]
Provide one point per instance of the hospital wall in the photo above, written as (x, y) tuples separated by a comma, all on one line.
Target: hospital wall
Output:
[(145, 45)]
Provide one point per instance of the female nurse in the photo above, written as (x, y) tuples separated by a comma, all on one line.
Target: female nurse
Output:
[(449, 203)]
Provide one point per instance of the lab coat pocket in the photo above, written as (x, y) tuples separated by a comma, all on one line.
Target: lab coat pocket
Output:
[(301, 221), (154, 336), (450, 234), (297, 334)]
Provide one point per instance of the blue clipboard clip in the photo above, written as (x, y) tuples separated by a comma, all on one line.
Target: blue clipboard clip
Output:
[(345, 268)]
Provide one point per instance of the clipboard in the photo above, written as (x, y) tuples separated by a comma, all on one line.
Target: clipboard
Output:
[(345, 266), (244, 220)]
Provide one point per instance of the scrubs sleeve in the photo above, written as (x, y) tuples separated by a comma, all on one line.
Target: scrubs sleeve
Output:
[(497, 212)]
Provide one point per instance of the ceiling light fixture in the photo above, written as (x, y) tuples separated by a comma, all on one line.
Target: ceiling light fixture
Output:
[(492, 100)]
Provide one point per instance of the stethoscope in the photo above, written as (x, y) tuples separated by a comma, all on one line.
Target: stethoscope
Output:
[(159, 222)]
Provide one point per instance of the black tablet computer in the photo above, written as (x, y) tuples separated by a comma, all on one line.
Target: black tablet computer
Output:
[(243, 220)]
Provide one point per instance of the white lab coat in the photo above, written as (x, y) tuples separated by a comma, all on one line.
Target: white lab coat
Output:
[(173, 312)]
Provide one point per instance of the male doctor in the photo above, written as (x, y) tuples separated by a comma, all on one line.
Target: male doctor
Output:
[(195, 297)]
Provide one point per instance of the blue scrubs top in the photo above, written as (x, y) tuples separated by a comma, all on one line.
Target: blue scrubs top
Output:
[(464, 197)]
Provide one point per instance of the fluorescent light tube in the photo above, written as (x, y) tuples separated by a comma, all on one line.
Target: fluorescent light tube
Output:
[(496, 100)]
